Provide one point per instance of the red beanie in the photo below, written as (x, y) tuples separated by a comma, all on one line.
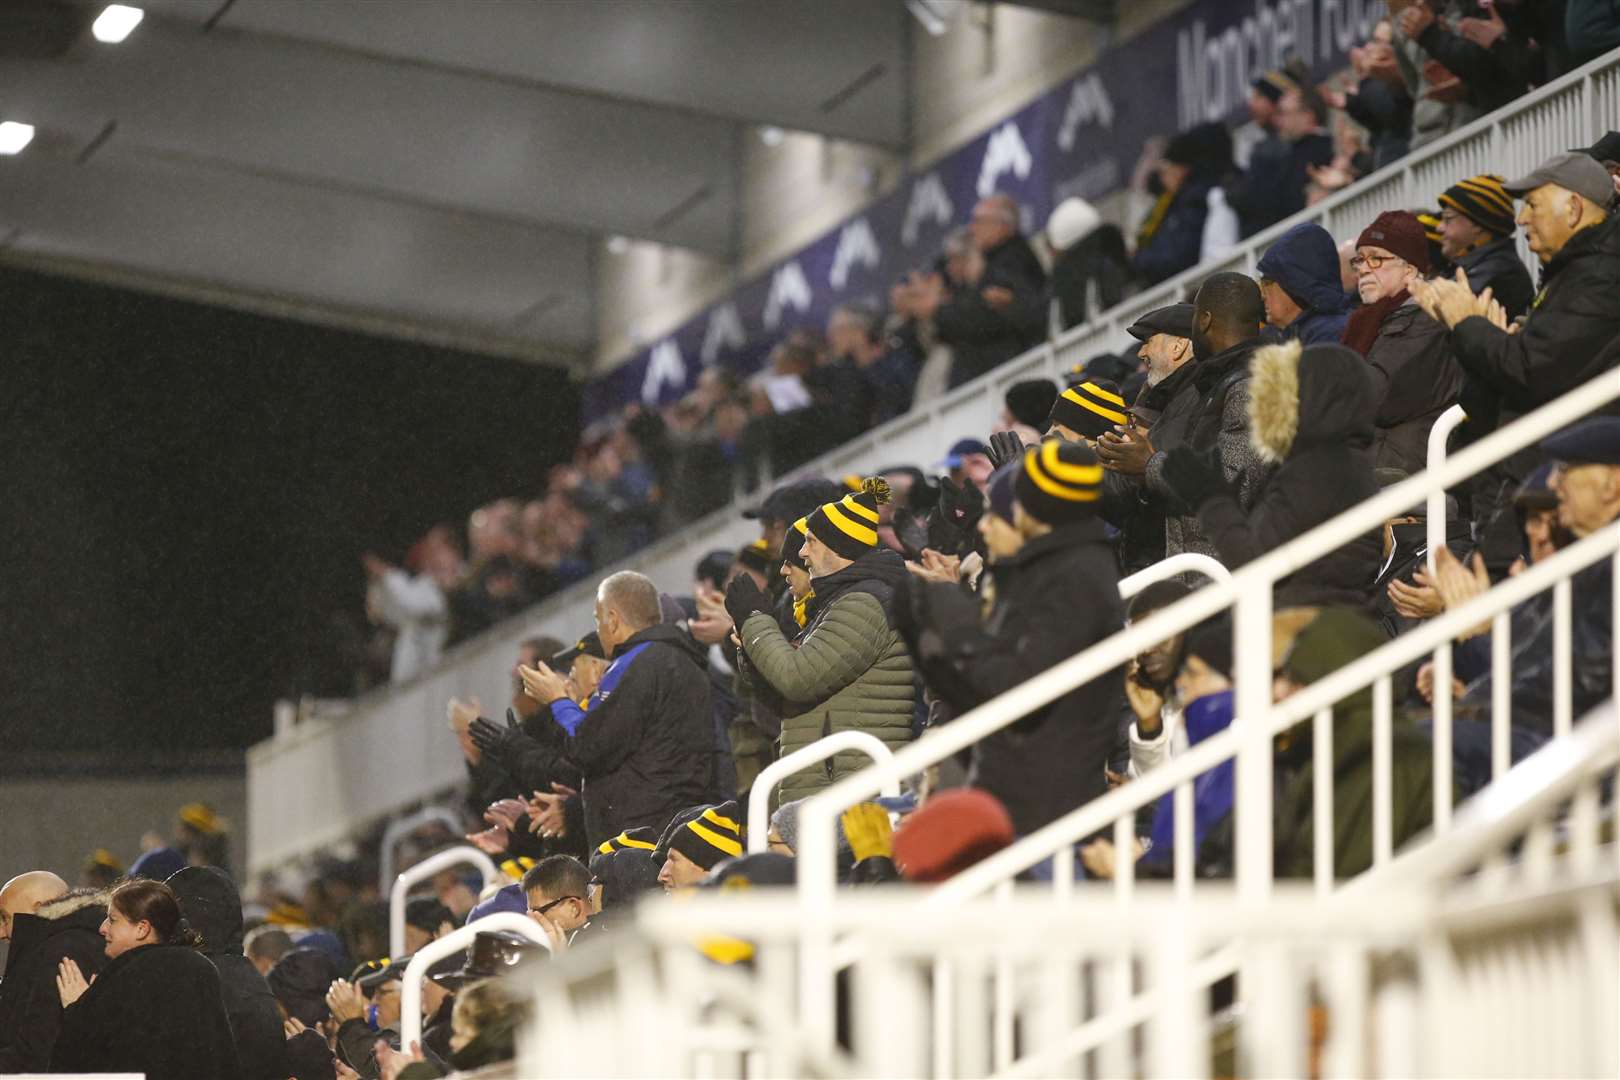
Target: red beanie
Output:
[(952, 831), (1400, 234)]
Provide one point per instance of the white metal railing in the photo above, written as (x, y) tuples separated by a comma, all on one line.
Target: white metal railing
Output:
[(759, 796), (1248, 741), (1435, 513), (410, 991), (1188, 562), (399, 829), (401, 729), (462, 855)]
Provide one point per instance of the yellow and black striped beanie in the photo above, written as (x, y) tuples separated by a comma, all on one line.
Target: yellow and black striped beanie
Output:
[(849, 526), (707, 835), (756, 556), (1089, 408), (793, 543), (644, 837), (1059, 483), (1484, 201)]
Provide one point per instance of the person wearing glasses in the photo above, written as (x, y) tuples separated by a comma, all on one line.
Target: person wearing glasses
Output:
[(557, 889), (1409, 352)]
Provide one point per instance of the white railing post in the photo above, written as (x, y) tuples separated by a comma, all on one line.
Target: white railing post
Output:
[(1444, 425), (400, 828), (1188, 562), (410, 992), (443, 860), (759, 796), (1251, 676)]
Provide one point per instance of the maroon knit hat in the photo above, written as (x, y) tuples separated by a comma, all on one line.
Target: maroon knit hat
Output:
[(952, 831), (1400, 234)]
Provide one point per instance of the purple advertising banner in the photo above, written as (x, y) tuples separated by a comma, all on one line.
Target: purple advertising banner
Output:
[(1081, 138)]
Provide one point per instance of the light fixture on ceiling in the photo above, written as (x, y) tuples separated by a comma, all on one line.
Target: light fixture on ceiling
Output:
[(934, 15), (116, 22), (14, 136), (771, 135), (618, 245)]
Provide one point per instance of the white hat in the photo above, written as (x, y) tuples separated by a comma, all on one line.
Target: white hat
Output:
[(1072, 221)]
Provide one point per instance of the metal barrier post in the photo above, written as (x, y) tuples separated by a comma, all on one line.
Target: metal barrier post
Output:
[(410, 992), (429, 866), (1188, 562), (759, 796), (403, 827), (1444, 425)]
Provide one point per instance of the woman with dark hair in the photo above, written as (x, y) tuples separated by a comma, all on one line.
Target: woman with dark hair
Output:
[(155, 1008)]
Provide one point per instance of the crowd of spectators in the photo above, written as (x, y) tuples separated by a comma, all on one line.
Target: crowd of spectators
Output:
[(891, 604)]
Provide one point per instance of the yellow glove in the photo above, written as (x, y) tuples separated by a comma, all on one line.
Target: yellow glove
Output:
[(867, 828)]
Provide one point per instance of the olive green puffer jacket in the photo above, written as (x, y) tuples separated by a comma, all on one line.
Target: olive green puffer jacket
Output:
[(847, 670)]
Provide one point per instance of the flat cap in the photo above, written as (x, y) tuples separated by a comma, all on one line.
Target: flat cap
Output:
[(1591, 442), (1175, 320)]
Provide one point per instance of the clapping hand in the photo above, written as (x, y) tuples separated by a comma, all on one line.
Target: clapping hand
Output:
[(345, 1000), (714, 621), (1458, 584), (937, 567), (70, 982), (1125, 450), (744, 597), (546, 814), (391, 1062), (1419, 600), (1005, 446), (543, 684)]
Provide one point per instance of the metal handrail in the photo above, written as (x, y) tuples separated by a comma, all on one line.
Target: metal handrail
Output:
[(400, 828), (1188, 562), (759, 796), (410, 992), (1435, 515), (442, 860)]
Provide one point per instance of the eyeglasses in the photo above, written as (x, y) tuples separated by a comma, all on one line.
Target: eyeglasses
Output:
[(543, 908), (1360, 262)]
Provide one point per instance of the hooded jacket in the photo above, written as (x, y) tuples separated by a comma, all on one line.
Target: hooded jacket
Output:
[(30, 1008), (1305, 262), (644, 745), (1329, 642), (1056, 597), (156, 1010), (1419, 379), (1218, 421), (848, 669), (210, 903), (1312, 414)]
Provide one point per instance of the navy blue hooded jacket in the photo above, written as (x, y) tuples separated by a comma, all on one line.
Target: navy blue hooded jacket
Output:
[(1305, 262)]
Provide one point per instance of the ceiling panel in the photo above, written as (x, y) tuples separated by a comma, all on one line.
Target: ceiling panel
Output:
[(832, 66), (268, 236), (445, 139)]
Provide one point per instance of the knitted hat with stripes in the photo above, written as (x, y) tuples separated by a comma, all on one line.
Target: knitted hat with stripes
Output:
[(1060, 482), (705, 834), (849, 526), (756, 556), (1089, 408), (1482, 200), (645, 838), (793, 543)]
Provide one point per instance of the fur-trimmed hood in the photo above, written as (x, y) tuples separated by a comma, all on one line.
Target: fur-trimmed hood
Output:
[(71, 901), (1299, 396)]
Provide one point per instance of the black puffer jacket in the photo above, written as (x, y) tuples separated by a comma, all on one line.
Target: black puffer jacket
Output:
[(645, 747), (210, 903), (30, 1008), (1418, 380), (1312, 412), (1497, 267), (156, 1010), (1056, 597)]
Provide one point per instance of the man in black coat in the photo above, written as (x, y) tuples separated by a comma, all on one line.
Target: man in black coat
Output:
[(1561, 344), (1002, 314), (644, 744), (1057, 595), (210, 903), (1313, 418), (45, 924), (1476, 233)]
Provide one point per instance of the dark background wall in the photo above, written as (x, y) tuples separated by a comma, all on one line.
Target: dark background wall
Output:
[(187, 490)]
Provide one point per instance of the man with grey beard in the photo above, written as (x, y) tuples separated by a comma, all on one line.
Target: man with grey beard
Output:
[(1160, 419)]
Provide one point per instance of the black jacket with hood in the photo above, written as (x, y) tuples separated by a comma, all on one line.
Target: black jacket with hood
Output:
[(645, 747), (158, 1010), (68, 928), (1311, 412), (1305, 262), (210, 903), (1056, 597)]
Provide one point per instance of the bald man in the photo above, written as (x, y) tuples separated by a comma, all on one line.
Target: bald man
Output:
[(45, 924)]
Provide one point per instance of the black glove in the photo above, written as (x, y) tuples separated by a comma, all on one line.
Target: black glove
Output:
[(743, 598), (1005, 446), (1195, 478), (953, 527), (493, 739), (912, 532)]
